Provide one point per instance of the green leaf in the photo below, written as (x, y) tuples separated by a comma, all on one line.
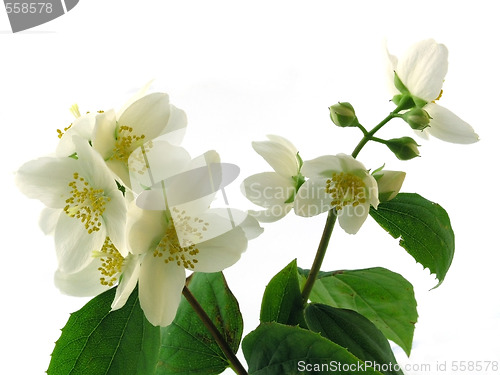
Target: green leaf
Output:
[(424, 230), (282, 300), (355, 333), (275, 348), (96, 341), (382, 296), (187, 346)]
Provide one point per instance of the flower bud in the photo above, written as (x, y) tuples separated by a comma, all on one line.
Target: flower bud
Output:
[(404, 148), (343, 115), (389, 183), (417, 118)]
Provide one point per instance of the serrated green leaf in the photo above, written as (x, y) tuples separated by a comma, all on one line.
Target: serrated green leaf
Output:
[(355, 333), (282, 300), (97, 341), (187, 346), (275, 348), (382, 296), (424, 230)]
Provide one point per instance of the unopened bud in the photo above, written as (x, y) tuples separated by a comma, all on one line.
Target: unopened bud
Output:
[(404, 148), (389, 183), (343, 115), (417, 118)]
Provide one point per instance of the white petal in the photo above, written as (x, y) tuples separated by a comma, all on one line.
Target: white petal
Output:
[(423, 68), (352, 218), (285, 142), (279, 157), (252, 228), (83, 126), (74, 245), (392, 63), (322, 166), (128, 282), (268, 189), (104, 134), (312, 199), (221, 252), (160, 289), (84, 283), (114, 217), (92, 166), (144, 228), (46, 179), (48, 219), (176, 126), (155, 162), (139, 94), (147, 116), (448, 127), (351, 165)]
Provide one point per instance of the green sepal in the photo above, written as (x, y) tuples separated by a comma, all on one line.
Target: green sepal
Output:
[(97, 341), (423, 228), (380, 295), (187, 347)]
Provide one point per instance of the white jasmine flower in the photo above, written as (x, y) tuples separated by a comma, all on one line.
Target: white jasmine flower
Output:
[(178, 232), (337, 182), (420, 73), (83, 195), (389, 183), (275, 191)]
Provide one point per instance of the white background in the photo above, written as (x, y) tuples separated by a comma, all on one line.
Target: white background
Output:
[(242, 70)]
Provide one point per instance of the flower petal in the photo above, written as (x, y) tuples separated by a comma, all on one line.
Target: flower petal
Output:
[(74, 245), (422, 69), (139, 94), (84, 283), (176, 126), (147, 116), (279, 156), (48, 220), (221, 252), (312, 199), (46, 179), (322, 166), (268, 189), (114, 217), (160, 289), (448, 127), (129, 278), (83, 127), (104, 134), (352, 218), (144, 228)]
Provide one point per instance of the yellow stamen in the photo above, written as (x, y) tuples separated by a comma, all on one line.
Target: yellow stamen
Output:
[(126, 142), (182, 253), (345, 189), (86, 203), (111, 263), (439, 96)]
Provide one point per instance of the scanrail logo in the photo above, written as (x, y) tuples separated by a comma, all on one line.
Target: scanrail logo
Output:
[(26, 14)]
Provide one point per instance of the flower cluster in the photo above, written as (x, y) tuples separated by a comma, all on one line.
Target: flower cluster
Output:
[(342, 183), (127, 205)]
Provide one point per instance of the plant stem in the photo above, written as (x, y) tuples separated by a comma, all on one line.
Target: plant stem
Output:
[(233, 360), (320, 255), (369, 135)]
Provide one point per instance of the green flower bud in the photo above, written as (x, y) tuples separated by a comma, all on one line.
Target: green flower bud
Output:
[(343, 115), (404, 148), (417, 118), (389, 183)]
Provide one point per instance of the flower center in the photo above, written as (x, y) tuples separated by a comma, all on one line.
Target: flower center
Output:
[(86, 203), (125, 143), (60, 132), (345, 189), (181, 250), (111, 263)]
